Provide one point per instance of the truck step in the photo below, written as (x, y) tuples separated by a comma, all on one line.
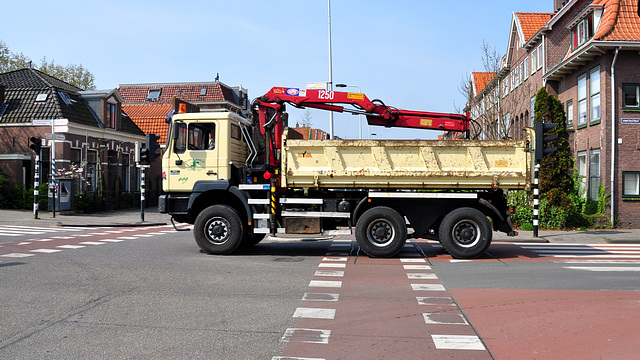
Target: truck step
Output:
[(261, 216), (258, 201), (253, 186), (324, 214), (300, 201)]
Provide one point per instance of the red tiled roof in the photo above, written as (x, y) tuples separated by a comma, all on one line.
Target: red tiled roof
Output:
[(150, 118), (532, 22), (481, 80), (214, 91), (620, 21)]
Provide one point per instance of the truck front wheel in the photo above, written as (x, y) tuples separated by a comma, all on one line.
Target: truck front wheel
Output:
[(381, 232), (465, 233), (218, 230)]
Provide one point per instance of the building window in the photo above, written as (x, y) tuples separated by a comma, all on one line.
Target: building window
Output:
[(631, 96), (534, 58), (533, 110), (126, 172), (581, 166), (110, 119), (594, 173), (540, 56), (153, 94), (595, 94), (582, 32), (505, 86), (75, 156), (630, 184), (582, 100), (525, 67), (92, 170), (570, 113)]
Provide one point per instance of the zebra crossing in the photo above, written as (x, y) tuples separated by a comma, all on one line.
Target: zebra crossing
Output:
[(14, 230), (590, 257)]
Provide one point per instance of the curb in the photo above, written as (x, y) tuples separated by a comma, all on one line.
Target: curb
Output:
[(137, 224)]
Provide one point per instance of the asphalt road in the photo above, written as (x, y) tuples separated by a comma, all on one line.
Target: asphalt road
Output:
[(148, 293)]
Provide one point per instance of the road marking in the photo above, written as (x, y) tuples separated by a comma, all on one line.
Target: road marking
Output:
[(46, 251), (314, 313), (603, 268), (91, 243), (320, 297), (312, 336), (417, 267), (329, 273), (428, 287), (111, 240), (422, 276), (294, 358), (342, 259), (435, 301), (444, 319), (127, 238), (17, 255), (457, 342), (413, 260), (329, 284), (71, 246), (330, 265)]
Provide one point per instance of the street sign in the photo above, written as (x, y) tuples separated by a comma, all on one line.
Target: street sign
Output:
[(57, 137), (61, 129), (47, 122)]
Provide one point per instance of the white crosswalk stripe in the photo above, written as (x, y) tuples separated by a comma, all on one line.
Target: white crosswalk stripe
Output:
[(591, 257), (14, 230)]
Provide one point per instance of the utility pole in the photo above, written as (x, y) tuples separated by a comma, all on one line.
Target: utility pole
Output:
[(330, 73)]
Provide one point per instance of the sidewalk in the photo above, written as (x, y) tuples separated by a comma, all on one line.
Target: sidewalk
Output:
[(121, 218), (153, 218)]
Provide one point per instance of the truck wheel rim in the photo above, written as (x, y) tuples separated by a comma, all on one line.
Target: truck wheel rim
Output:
[(466, 233), (217, 230), (380, 233)]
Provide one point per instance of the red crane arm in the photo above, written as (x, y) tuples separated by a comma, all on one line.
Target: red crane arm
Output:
[(376, 111)]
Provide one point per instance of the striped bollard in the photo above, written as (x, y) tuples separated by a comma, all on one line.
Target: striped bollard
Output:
[(536, 196)]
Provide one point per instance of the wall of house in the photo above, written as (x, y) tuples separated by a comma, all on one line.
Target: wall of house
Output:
[(627, 153)]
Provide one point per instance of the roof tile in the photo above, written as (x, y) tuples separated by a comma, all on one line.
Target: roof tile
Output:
[(532, 22)]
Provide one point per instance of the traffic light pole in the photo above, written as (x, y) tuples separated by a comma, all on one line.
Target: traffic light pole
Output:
[(536, 196)]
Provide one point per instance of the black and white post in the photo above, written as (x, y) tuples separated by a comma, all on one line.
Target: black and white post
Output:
[(36, 186), (536, 196), (142, 192)]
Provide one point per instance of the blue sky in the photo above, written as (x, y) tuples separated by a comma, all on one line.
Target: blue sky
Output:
[(410, 54)]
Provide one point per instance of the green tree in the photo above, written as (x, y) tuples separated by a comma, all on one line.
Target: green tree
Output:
[(73, 74), (556, 181)]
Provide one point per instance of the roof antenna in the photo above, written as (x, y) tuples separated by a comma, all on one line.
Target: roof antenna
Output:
[(217, 76)]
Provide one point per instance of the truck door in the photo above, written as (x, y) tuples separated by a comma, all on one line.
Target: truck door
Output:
[(195, 155)]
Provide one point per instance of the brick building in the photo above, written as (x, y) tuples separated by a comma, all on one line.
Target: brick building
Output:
[(98, 137), (586, 54)]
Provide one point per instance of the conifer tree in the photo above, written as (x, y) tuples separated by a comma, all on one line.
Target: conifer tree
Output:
[(556, 182)]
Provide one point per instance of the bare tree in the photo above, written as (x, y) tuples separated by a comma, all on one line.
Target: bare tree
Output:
[(305, 119)]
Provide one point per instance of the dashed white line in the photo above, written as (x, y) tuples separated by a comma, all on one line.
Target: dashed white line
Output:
[(314, 313), (457, 342), (329, 284)]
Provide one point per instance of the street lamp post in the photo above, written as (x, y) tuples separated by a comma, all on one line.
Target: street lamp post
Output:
[(359, 115)]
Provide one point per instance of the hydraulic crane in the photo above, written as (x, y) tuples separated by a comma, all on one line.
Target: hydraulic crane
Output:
[(271, 117)]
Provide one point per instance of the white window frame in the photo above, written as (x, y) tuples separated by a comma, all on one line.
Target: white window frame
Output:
[(594, 173), (534, 61), (581, 167), (582, 100), (631, 184), (595, 109)]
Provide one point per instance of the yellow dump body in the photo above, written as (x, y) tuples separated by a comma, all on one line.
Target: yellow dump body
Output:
[(406, 164)]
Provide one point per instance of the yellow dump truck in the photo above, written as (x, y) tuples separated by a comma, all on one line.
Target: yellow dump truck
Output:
[(220, 174)]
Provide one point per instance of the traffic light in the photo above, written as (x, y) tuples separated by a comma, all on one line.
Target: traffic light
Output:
[(152, 146), (36, 144), (543, 140)]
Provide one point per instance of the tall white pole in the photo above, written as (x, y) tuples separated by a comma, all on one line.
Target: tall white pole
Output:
[(330, 72)]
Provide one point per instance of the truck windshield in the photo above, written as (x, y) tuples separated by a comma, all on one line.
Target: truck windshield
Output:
[(199, 137)]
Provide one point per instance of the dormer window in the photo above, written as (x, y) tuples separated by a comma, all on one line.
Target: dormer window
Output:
[(65, 97), (582, 32), (41, 97), (153, 94)]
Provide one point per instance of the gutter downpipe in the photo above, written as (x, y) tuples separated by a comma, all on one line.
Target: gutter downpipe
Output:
[(613, 132)]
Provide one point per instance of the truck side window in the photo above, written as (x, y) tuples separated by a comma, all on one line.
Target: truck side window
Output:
[(195, 137), (181, 143)]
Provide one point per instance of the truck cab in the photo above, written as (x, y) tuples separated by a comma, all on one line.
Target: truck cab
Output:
[(203, 150)]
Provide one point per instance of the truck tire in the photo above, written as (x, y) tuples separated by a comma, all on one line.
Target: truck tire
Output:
[(218, 230), (381, 232), (465, 233)]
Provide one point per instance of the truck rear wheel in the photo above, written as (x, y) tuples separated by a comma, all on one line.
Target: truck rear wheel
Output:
[(381, 232), (465, 233), (218, 230)]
